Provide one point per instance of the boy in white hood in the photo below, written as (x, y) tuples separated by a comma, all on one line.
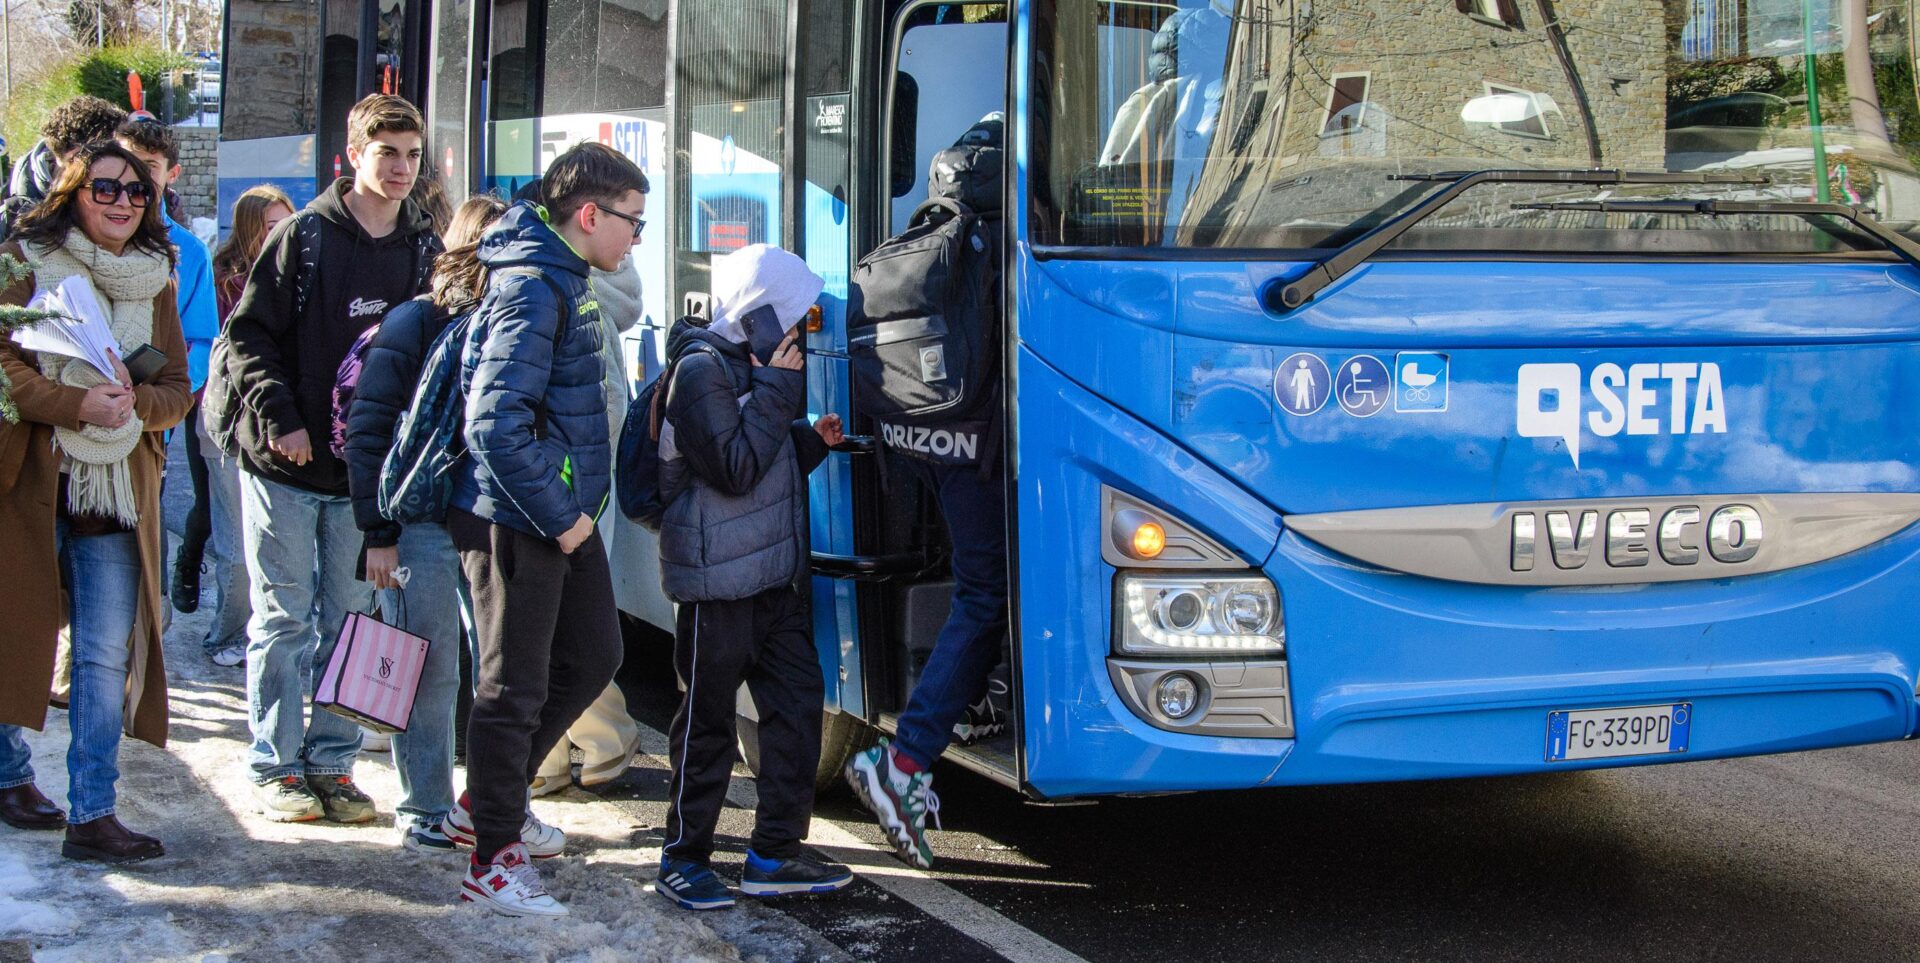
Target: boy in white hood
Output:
[(735, 452)]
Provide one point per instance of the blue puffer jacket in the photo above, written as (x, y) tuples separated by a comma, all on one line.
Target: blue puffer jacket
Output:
[(520, 370)]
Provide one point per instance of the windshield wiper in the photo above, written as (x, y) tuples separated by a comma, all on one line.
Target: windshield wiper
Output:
[(1905, 249), (1356, 252)]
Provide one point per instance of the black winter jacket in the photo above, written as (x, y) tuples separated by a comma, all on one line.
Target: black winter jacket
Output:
[(735, 486), (289, 335), (388, 378)]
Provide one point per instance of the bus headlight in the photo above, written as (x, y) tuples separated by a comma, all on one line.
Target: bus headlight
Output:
[(1198, 614)]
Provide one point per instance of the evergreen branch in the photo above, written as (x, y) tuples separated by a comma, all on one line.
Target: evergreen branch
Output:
[(13, 318)]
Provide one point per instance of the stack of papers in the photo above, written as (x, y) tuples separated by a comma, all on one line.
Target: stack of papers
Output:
[(78, 329)]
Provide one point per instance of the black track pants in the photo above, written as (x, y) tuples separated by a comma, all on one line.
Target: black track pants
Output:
[(764, 642), (548, 639)]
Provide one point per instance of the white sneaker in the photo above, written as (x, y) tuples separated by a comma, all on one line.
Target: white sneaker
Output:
[(231, 656), (371, 741), (548, 785), (509, 886), (542, 841)]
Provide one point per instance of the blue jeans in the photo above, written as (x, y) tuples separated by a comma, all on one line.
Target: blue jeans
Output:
[(430, 609), (302, 550), (969, 644), (102, 575), (233, 608)]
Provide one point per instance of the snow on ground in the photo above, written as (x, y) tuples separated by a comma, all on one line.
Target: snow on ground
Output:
[(236, 887)]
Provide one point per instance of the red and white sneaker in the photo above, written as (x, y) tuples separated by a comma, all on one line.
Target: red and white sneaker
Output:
[(543, 841), (509, 886)]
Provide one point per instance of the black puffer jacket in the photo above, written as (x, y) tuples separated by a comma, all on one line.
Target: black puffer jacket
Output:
[(733, 472), (388, 378)]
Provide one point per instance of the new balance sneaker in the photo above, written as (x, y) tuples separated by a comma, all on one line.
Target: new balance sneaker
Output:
[(900, 802), (982, 721), (542, 841), (288, 800), (428, 839), (340, 799), (786, 877), (229, 656), (509, 886), (691, 885)]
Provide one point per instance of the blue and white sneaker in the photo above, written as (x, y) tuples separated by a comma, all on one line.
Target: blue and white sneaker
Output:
[(691, 885), (790, 877), (428, 839)]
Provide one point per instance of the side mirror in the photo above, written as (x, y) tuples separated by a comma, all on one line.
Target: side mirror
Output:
[(905, 139)]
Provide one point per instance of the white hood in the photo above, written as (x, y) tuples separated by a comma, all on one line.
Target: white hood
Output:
[(757, 275)]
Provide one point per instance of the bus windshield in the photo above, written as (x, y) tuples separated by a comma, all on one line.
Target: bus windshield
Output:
[(1294, 124)]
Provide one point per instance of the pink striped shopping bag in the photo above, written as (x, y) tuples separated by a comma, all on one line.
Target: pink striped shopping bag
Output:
[(372, 674)]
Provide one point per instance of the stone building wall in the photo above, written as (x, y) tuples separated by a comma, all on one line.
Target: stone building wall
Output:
[(199, 167)]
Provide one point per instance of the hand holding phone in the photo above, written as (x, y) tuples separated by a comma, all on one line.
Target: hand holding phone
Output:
[(765, 335), (144, 364)]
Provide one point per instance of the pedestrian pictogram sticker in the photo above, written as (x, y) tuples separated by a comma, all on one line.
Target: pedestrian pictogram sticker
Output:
[(1302, 383)]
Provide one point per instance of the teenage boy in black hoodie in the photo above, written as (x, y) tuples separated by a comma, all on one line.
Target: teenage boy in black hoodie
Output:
[(326, 274)]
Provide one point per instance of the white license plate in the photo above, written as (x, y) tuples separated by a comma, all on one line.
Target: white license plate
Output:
[(1629, 731)]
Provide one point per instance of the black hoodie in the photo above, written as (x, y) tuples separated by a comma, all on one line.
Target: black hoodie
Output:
[(294, 323)]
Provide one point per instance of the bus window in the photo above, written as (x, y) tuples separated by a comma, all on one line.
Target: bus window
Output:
[(513, 84), (1289, 125), (956, 55), (604, 55), (447, 104), (339, 83), (270, 54), (732, 112)]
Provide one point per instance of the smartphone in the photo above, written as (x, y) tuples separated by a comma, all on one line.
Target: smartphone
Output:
[(144, 364), (764, 333)]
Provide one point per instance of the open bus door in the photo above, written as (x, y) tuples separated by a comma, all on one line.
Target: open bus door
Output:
[(941, 67)]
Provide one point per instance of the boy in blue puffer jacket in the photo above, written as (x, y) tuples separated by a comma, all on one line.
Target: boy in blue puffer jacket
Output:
[(524, 505)]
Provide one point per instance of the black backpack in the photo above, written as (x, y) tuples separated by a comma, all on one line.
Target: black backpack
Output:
[(923, 320), (636, 465)]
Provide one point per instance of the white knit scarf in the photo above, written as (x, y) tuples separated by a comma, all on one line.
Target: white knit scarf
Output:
[(99, 481)]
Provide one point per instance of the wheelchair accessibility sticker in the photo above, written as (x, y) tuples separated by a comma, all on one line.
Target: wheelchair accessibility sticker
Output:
[(1362, 386), (1422, 381)]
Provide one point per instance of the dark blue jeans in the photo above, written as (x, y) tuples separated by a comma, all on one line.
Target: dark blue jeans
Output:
[(969, 644)]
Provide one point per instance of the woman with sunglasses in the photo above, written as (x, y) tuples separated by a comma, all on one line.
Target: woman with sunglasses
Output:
[(81, 545)]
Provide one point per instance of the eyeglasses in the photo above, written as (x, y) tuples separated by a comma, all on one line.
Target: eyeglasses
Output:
[(639, 224), (107, 191)]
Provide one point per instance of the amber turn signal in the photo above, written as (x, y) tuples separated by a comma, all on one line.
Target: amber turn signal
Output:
[(1149, 540)]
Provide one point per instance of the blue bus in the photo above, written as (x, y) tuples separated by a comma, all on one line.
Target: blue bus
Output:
[(1393, 390)]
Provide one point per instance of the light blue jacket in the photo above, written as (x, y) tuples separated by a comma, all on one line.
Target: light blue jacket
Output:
[(199, 309)]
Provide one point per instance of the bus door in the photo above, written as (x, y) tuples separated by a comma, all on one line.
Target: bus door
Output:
[(945, 71), (370, 46)]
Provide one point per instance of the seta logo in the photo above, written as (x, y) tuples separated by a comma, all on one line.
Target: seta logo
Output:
[(1549, 404), (939, 442), (361, 307)]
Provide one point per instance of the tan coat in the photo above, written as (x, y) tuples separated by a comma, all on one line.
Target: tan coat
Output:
[(32, 609)]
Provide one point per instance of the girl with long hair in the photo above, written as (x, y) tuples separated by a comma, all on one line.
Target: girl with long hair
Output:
[(430, 609), (215, 514), (81, 543), (255, 214)]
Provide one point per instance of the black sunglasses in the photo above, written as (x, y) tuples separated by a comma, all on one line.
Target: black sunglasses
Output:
[(107, 191), (639, 224)]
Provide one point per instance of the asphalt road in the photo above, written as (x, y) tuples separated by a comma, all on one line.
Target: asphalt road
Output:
[(1799, 857)]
